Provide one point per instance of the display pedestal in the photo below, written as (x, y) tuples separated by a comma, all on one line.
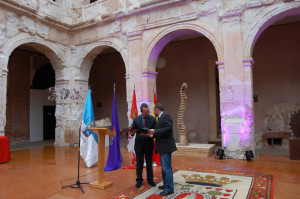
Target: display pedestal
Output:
[(100, 183), (195, 150)]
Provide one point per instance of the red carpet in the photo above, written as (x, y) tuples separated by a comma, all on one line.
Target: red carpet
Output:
[(131, 166)]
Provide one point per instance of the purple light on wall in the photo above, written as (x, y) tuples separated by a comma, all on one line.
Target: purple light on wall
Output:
[(224, 132), (242, 114), (149, 72), (154, 77)]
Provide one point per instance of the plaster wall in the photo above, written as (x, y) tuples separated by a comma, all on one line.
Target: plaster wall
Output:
[(187, 61), (276, 69), (38, 99), (107, 70)]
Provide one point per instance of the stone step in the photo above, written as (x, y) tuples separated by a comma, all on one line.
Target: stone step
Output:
[(195, 150)]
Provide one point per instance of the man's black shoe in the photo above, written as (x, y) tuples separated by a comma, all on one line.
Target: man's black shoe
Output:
[(162, 187), (165, 193), (138, 185), (152, 184)]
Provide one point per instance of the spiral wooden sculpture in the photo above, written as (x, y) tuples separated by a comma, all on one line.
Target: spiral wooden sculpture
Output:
[(180, 120)]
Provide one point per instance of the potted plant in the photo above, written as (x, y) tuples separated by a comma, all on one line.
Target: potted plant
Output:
[(294, 142)]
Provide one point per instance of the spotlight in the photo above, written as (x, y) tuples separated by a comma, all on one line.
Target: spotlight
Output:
[(249, 155), (220, 154)]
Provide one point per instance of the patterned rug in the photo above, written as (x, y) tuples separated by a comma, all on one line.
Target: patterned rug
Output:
[(206, 184)]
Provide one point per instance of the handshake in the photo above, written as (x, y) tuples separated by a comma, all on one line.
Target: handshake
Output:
[(144, 131)]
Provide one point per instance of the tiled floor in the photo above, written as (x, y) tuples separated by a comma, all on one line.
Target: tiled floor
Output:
[(40, 172)]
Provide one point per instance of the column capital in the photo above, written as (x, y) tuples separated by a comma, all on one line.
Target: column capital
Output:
[(220, 64), (3, 72), (231, 16), (149, 74), (248, 62), (134, 35)]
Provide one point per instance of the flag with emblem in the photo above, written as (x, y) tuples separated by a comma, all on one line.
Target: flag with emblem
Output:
[(88, 139), (114, 157)]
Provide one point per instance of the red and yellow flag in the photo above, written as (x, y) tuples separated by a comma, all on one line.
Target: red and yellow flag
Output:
[(134, 111), (154, 103)]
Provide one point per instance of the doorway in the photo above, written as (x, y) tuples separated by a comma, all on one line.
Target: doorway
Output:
[(49, 122)]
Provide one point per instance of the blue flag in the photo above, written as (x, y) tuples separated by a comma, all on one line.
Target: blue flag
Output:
[(88, 139), (114, 157)]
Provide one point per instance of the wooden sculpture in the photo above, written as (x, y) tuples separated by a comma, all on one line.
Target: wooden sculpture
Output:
[(180, 120)]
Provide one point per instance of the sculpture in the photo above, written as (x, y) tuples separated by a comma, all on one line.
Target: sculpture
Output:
[(180, 120)]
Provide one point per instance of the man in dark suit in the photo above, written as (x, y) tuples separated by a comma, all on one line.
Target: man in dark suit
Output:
[(144, 145), (165, 145)]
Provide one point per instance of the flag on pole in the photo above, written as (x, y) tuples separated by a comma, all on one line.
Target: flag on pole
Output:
[(114, 157), (133, 114), (88, 139), (154, 103), (134, 111), (131, 139)]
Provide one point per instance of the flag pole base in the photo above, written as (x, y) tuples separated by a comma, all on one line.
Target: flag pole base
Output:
[(76, 185), (102, 185)]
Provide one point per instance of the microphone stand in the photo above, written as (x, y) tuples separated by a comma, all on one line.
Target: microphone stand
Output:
[(78, 183)]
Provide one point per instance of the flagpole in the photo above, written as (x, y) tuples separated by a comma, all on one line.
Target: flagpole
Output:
[(78, 183)]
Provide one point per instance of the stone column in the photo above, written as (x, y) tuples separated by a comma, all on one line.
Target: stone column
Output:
[(134, 72), (149, 86), (3, 91), (69, 110), (235, 90)]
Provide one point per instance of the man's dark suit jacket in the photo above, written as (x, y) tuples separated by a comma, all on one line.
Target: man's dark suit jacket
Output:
[(163, 133), (138, 123)]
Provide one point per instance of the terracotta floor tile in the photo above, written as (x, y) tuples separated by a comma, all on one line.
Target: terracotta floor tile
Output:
[(41, 172)]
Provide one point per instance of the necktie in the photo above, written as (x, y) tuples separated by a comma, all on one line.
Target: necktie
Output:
[(145, 122)]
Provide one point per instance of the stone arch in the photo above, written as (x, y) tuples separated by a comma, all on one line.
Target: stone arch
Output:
[(91, 51), (267, 19), (164, 37), (49, 49), (44, 77)]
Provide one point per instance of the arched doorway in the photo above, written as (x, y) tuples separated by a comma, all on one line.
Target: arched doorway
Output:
[(108, 70), (186, 55), (276, 80), (30, 116)]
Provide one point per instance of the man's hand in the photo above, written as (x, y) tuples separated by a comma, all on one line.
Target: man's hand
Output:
[(148, 135), (132, 132), (151, 131)]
